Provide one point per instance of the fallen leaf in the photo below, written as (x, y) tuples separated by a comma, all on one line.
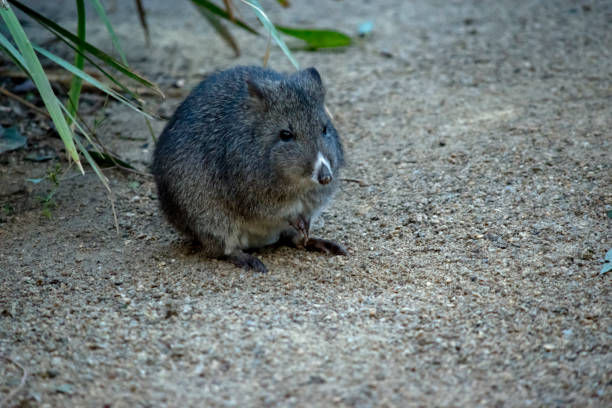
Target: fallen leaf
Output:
[(11, 139)]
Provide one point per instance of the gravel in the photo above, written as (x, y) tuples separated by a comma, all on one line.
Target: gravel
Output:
[(479, 135)]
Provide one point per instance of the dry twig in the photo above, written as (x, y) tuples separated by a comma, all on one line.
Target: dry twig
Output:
[(360, 182), (59, 77), (19, 99), (229, 9)]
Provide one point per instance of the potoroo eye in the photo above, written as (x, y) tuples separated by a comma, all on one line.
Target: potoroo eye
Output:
[(286, 135)]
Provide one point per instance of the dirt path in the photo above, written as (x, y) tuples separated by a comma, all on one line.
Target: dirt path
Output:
[(483, 133)]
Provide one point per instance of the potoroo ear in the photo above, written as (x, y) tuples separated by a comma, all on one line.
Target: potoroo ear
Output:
[(312, 78), (314, 74), (258, 94)]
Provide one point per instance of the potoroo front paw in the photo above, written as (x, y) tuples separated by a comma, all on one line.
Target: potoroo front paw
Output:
[(302, 226), (247, 262), (325, 246)]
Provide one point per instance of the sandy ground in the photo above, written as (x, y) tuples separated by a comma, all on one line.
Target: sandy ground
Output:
[(481, 132)]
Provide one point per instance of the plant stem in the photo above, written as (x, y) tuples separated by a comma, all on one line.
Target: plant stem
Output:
[(76, 83)]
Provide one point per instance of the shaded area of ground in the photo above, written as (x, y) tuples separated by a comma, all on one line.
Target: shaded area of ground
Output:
[(483, 135)]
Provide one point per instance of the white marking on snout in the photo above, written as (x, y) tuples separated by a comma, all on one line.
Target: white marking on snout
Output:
[(320, 161)]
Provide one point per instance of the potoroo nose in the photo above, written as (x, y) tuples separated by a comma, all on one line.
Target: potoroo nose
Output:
[(324, 176), (322, 170)]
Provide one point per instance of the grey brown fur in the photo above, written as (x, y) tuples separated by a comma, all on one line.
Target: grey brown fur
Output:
[(249, 159)]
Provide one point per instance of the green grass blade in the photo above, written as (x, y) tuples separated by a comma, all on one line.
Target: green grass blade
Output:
[(92, 163), (85, 76), (62, 33), (214, 9), (12, 52), (77, 82), (271, 29), (219, 27), (103, 71), (64, 64), (95, 153), (109, 27), (80, 128), (316, 39), (41, 81)]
